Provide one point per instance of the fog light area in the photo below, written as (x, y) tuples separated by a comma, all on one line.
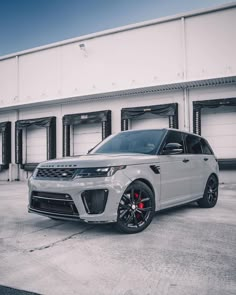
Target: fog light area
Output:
[(95, 200)]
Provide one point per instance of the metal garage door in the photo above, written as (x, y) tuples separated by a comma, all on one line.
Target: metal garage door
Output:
[(0, 148), (149, 121), (36, 144), (85, 137), (219, 127)]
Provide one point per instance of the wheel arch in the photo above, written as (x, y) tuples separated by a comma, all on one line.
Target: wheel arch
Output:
[(148, 183), (212, 174), (216, 176)]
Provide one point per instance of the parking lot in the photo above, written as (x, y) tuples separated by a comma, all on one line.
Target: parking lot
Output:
[(186, 250)]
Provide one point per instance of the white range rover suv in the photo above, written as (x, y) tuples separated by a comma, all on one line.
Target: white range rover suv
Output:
[(126, 178)]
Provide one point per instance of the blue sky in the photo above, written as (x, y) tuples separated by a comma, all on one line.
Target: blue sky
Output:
[(26, 24)]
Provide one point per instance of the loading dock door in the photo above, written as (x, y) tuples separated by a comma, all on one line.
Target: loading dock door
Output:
[(155, 116), (218, 126), (36, 144), (149, 121), (86, 136), (83, 131)]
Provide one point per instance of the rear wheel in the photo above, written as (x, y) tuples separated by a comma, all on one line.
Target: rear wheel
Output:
[(210, 196), (136, 208)]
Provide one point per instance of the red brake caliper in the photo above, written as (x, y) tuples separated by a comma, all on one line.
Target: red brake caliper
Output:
[(140, 205)]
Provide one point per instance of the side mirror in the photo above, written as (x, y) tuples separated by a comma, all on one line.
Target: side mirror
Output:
[(172, 149)]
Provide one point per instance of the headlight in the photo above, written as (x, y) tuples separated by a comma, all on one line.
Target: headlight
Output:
[(35, 172), (97, 172)]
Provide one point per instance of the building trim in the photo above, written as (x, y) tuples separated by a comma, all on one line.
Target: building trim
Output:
[(178, 86)]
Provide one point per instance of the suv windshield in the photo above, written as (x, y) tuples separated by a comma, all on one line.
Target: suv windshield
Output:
[(141, 142)]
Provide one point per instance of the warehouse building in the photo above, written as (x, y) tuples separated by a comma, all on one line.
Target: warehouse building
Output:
[(62, 99)]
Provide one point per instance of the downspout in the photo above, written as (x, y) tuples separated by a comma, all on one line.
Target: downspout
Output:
[(185, 89)]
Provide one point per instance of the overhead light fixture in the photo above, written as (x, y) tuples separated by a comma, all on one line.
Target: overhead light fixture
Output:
[(82, 46), (83, 49)]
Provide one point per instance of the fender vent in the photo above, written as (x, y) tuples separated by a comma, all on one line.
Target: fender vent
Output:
[(155, 169)]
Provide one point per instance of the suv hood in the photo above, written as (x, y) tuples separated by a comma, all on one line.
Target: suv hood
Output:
[(100, 160)]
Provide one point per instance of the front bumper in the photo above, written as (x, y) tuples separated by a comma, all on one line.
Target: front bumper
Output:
[(114, 185)]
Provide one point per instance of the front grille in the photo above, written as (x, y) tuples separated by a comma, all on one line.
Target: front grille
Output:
[(56, 173), (53, 203)]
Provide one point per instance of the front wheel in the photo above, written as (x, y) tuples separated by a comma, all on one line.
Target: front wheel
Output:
[(136, 208), (210, 196)]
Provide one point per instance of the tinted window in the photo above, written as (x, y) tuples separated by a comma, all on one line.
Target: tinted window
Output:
[(193, 144), (206, 148), (174, 137), (142, 142)]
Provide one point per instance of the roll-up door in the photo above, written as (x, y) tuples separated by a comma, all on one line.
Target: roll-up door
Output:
[(36, 144), (149, 122), (35, 141), (218, 126), (155, 116), (83, 131), (216, 120), (85, 137)]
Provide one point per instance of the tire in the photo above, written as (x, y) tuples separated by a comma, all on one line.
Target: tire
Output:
[(210, 195), (136, 208)]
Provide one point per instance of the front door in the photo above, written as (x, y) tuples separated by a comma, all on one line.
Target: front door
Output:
[(175, 173)]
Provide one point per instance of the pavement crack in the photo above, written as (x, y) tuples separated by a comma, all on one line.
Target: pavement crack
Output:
[(43, 228), (59, 241)]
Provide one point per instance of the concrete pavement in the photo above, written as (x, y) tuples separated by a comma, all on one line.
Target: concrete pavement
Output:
[(185, 250)]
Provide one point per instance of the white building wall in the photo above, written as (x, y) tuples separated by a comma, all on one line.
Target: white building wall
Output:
[(211, 44), (189, 47), (8, 81), (59, 78)]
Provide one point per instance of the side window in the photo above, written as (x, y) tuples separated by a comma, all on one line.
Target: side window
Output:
[(174, 137), (206, 148), (193, 144)]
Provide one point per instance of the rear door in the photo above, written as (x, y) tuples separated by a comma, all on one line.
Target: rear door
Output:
[(175, 173), (199, 171)]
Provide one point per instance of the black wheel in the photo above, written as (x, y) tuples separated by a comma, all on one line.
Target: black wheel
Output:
[(136, 208), (210, 196)]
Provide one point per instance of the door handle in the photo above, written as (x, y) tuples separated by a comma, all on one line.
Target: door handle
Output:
[(205, 159), (185, 160)]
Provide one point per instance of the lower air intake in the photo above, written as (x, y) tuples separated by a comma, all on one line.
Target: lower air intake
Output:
[(95, 201)]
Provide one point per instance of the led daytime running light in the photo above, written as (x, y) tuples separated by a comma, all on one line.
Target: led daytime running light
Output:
[(98, 171)]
